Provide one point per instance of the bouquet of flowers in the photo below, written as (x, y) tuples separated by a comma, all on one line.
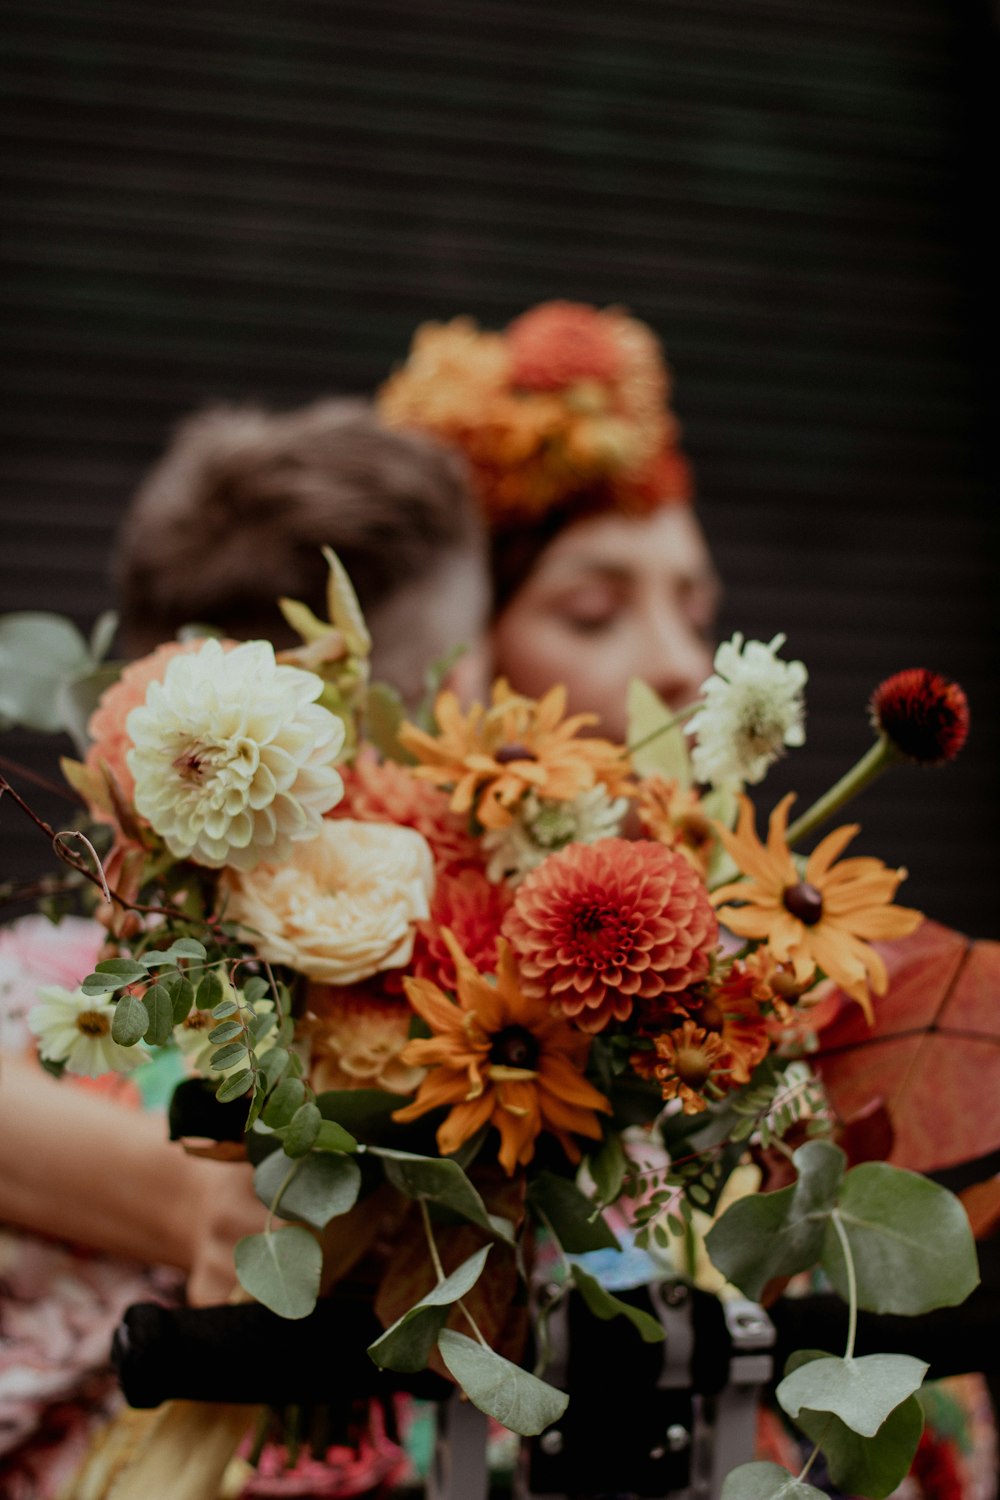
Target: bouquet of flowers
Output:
[(486, 987)]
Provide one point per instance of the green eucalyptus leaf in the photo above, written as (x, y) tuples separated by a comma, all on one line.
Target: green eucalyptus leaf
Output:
[(513, 1397), (763, 1481), (102, 634), (299, 1135), (274, 1062), (333, 1137), (607, 1168), (407, 1345), (281, 1268), (438, 1180), (603, 1305), (161, 1015), (778, 1234), (365, 1112), (284, 1101), (870, 1466), (113, 974), (235, 1085), (861, 1392), (321, 1188), (130, 1022), (77, 697), (570, 1214), (910, 1240), (38, 652)]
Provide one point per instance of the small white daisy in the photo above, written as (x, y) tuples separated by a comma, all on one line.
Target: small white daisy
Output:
[(752, 710), (75, 1029), (541, 826)]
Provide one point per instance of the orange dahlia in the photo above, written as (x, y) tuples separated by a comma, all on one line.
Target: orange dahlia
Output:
[(472, 908), (823, 919), (499, 1057), (599, 927), (357, 1034), (688, 1060), (490, 757), (385, 792)]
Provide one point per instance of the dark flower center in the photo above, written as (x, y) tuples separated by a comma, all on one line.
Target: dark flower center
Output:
[(804, 901), (508, 753), (92, 1023), (514, 1047), (600, 935)]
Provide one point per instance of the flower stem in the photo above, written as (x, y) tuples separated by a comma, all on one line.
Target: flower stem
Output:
[(852, 1285), (680, 717), (432, 1245), (875, 760)]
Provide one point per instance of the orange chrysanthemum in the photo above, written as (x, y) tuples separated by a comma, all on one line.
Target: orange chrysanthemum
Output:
[(598, 927), (499, 1057), (472, 908), (490, 757), (732, 1012), (570, 400), (688, 1060), (823, 919), (673, 815), (385, 792), (357, 1034)]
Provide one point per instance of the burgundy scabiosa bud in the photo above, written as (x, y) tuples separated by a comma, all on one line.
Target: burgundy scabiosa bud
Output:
[(924, 715)]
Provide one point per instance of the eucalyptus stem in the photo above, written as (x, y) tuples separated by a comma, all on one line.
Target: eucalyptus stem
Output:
[(801, 1475), (852, 1285), (878, 758), (680, 717), (431, 1243), (273, 1206)]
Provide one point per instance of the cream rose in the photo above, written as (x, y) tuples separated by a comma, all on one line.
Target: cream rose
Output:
[(343, 906)]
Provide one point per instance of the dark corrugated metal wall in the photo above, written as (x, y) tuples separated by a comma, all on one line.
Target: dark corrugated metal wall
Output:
[(233, 200)]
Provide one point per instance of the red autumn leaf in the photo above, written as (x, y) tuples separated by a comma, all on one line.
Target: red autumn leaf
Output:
[(981, 1202), (933, 1055)]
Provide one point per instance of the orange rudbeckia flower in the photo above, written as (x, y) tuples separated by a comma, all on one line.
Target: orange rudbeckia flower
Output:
[(499, 1058), (823, 918), (490, 757)]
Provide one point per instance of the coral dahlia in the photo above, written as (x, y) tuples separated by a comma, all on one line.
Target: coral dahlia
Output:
[(385, 792), (472, 908), (598, 927)]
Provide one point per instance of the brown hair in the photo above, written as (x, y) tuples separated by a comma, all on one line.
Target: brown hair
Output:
[(235, 513)]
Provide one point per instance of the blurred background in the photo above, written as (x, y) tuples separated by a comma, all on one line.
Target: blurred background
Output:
[(233, 199)]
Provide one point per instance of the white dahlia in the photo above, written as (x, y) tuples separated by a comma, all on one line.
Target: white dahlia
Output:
[(75, 1029), (233, 759), (752, 709)]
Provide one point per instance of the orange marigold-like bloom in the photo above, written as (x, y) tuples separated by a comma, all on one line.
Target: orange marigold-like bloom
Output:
[(385, 792), (823, 919), (598, 927), (732, 1012), (357, 1034), (688, 1060), (673, 815), (472, 908), (491, 757), (499, 1057)]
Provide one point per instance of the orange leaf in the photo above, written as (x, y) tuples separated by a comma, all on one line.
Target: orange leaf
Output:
[(981, 1202), (933, 1055)]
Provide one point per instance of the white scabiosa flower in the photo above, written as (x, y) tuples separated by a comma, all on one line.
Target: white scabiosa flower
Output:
[(542, 826), (233, 759), (75, 1029), (752, 709)]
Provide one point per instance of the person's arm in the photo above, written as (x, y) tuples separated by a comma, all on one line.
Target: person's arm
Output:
[(88, 1169)]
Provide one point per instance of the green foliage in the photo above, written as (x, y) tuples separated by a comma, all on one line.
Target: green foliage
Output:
[(504, 1391), (281, 1268), (40, 653), (576, 1223), (299, 1135), (314, 1188), (871, 1466), (113, 974), (607, 1168), (161, 1014), (365, 1112), (861, 1392), (439, 1181), (287, 1098), (910, 1240), (235, 1085), (130, 1021), (603, 1305), (763, 1481), (407, 1345), (665, 751)]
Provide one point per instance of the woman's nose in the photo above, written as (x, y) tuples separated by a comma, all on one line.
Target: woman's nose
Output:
[(678, 659)]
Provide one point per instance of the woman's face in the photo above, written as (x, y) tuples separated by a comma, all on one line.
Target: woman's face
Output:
[(611, 598)]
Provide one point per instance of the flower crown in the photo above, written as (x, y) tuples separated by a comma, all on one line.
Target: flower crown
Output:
[(569, 404)]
